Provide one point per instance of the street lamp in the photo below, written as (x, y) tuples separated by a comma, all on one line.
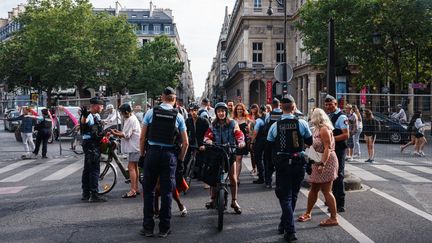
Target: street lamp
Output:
[(102, 73), (282, 3)]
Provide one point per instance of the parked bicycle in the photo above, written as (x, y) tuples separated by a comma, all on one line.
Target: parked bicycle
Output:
[(215, 172), (76, 142), (108, 171)]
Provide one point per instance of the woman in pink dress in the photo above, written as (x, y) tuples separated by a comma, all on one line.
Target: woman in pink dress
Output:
[(324, 171)]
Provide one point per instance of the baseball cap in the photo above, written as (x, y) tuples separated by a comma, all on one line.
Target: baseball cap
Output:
[(96, 101), (169, 91), (288, 99)]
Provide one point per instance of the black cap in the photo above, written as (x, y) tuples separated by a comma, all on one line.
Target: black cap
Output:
[(329, 98), (205, 100), (169, 91), (288, 99), (126, 108), (44, 111), (96, 101), (275, 101)]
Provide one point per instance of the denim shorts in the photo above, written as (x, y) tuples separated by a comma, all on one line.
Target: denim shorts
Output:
[(134, 157)]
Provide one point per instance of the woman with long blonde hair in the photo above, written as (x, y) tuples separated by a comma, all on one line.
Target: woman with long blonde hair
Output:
[(324, 172)]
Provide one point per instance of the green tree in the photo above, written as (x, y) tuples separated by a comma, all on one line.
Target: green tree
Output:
[(357, 22), (159, 66), (12, 62)]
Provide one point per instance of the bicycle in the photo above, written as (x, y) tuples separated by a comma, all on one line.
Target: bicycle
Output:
[(76, 142), (108, 172), (190, 166), (217, 175)]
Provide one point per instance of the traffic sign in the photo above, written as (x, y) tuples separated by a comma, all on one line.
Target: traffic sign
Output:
[(279, 71)]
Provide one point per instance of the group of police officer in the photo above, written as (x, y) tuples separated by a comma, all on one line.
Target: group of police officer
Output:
[(279, 141)]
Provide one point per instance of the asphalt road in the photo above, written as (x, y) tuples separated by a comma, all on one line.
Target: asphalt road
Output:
[(36, 205)]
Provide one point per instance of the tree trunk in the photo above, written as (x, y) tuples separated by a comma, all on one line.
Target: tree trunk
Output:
[(49, 97)]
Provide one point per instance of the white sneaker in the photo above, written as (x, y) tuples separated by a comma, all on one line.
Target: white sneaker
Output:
[(422, 154), (417, 154), (350, 159), (183, 212), (357, 156)]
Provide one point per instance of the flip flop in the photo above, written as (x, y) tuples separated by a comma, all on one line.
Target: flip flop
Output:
[(329, 222), (305, 217), (128, 195)]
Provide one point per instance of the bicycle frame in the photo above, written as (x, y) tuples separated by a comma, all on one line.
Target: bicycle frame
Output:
[(112, 154)]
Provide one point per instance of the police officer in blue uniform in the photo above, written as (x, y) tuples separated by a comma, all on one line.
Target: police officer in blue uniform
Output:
[(162, 126), (271, 117), (44, 128), (258, 142), (92, 132), (341, 135), (287, 137)]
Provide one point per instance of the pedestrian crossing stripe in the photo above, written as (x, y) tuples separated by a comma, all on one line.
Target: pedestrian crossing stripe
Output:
[(15, 165), (403, 174), (422, 169), (29, 172), (364, 174), (66, 171), (11, 190), (398, 162)]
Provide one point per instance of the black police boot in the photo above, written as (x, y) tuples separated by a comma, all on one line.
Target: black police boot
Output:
[(281, 229), (85, 196), (290, 237), (95, 197)]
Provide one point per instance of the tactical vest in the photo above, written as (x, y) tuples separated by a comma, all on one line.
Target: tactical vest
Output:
[(163, 128), (46, 123), (274, 116), (224, 133), (95, 131), (337, 131), (262, 131), (288, 138)]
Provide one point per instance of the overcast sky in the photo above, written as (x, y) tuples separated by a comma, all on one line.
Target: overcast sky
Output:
[(198, 22)]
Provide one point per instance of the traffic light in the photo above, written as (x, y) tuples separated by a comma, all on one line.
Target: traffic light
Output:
[(285, 87)]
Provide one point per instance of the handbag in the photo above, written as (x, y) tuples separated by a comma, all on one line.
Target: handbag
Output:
[(312, 154)]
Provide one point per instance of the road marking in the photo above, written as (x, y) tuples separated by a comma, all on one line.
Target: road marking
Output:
[(14, 165), (63, 173), (26, 173), (398, 162), (11, 190), (364, 174), (422, 169), (405, 205), (347, 226), (402, 174)]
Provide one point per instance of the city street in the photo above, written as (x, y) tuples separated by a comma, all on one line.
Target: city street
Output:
[(40, 202)]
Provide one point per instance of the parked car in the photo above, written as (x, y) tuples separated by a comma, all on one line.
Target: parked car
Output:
[(11, 125), (390, 130)]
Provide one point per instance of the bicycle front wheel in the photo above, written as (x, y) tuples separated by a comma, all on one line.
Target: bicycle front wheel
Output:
[(107, 177), (220, 207)]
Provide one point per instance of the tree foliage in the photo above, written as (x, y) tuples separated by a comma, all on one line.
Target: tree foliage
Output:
[(401, 26), (158, 67)]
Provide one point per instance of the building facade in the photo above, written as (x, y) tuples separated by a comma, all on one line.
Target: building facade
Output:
[(251, 46)]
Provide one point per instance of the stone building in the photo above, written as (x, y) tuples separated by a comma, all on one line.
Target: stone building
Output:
[(249, 48)]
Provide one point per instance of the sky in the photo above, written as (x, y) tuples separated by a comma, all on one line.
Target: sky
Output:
[(198, 22)]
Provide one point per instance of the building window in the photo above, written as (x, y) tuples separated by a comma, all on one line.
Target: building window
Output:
[(133, 16), (257, 3), (257, 52), (156, 28), (167, 30), (280, 57), (145, 29)]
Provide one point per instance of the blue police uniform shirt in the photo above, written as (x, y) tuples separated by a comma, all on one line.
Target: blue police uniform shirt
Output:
[(180, 123), (342, 121), (259, 123), (90, 122), (204, 114), (267, 118), (305, 131)]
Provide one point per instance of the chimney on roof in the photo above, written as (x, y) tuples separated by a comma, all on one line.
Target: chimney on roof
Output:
[(151, 8)]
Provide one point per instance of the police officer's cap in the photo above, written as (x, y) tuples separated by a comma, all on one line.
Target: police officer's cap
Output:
[(44, 111), (205, 100), (275, 101), (288, 99), (169, 91), (96, 101), (329, 98), (193, 106), (125, 108)]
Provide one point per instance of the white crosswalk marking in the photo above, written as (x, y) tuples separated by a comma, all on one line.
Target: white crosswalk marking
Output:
[(14, 165), (364, 174), (66, 171), (26, 173), (398, 162), (422, 169), (402, 174)]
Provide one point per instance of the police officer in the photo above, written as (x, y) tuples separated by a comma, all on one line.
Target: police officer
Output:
[(273, 116), (287, 137), (258, 142), (341, 135), (91, 129), (44, 128), (161, 126)]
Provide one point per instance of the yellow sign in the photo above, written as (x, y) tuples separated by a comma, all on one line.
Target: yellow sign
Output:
[(34, 97)]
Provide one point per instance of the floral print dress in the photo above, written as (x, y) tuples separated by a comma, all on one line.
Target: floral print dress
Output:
[(329, 172)]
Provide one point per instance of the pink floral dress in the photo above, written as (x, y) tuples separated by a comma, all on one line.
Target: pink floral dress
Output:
[(329, 172)]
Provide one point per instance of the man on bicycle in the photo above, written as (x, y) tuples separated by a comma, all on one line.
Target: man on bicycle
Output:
[(286, 139), (91, 130), (225, 131), (162, 126)]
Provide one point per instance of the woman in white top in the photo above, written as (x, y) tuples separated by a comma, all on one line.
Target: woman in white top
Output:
[(419, 135), (356, 137), (130, 136), (113, 120)]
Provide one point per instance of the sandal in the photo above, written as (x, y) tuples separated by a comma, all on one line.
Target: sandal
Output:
[(129, 195), (305, 217), (329, 222), (236, 207)]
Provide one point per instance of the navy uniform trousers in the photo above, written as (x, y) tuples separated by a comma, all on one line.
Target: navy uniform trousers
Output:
[(90, 175), (159, 163), (288, 180), (338, 184), (258, 148)]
